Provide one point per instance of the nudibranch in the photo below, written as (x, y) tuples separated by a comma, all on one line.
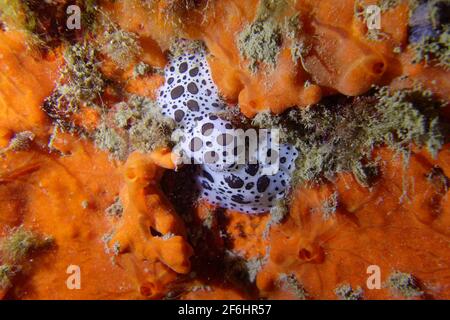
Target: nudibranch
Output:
[(190, 97)]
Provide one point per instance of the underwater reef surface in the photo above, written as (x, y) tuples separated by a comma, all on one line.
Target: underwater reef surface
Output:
[(115, 136)]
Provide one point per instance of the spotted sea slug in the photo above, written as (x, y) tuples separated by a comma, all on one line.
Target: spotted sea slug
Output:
[(190, 97)]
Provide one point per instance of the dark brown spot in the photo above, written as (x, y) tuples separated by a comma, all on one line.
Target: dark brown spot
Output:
[(211, 157), (239, 198), (252, 169), (249, 185), (196, 144), (193, 72), (262, 183), (207, 129), (177, 92), (183, 67), (179, 115), (234, 182), (193, 105), (192, 88), (224, 139)]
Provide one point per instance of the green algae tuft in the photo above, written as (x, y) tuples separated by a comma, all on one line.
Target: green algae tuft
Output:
[(346, 292)]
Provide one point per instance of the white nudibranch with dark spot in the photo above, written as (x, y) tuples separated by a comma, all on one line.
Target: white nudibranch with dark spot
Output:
[(190, 97)]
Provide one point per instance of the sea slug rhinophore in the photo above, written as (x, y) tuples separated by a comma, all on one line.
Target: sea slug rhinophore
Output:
[(190, 97)]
